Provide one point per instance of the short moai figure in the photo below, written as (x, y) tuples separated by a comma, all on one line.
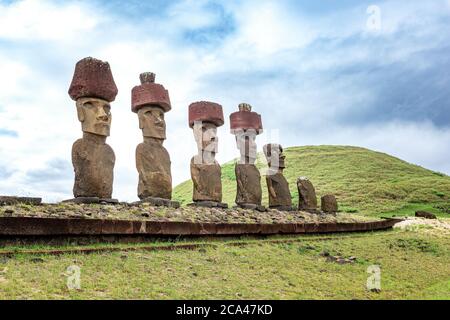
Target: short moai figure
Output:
[(307, 195), (206, 173), (277, 185), (151, 101), (246, 125), (93, 88)]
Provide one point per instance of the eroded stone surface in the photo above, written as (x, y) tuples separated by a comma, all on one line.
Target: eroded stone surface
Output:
[(204, 118), (153, 165), (248, 181), (10, 200), (307, 195), (159, 202), (93, 161), (329, 204), (277, 185), (93, 78), (207, 184), (150, 101)]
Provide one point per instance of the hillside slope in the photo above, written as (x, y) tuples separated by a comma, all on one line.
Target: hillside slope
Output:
[(364, 181)]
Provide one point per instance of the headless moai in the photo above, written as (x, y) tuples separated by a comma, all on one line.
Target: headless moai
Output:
[(246, 125), (93, 88), (307, 195), (206, 173), (151, 101), (277, 185)]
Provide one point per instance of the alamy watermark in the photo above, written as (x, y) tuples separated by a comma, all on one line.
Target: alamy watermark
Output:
[(73, 274), (374, 280)]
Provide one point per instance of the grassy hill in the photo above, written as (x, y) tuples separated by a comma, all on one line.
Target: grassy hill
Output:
[(364, 181)]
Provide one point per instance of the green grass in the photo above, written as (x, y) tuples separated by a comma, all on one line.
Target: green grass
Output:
[(413, 265), (364, 181)]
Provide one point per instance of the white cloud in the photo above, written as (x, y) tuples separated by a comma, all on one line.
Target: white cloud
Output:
[(42, 19)]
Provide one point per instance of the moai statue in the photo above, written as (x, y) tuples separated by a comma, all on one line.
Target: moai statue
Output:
[(93, 89), (204, 118), (277, 185), (307, 199), (150, 101), (246, 125)]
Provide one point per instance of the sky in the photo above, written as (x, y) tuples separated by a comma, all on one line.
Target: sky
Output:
[(374, 74)]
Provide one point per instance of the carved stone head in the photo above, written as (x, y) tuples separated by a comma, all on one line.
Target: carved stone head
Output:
[(205, 134), (94, 115), (275, 157), (152, 123), (246, 143)]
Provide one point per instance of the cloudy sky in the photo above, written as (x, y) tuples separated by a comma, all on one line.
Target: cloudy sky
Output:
[(374, 74)]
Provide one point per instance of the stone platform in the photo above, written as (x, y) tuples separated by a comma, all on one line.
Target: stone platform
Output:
[(29, 226)]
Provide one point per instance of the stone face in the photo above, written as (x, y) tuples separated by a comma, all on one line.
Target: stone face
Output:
[(93, 161), (206, 111), (94, 115), (329, 204), (307, 195), (149, 94), (248, 181), (426, 215), (153, 165), (279, 193), (277, 185), (93, 78), (207, 182)]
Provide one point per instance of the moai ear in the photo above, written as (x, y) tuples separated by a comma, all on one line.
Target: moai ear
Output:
[(80, 111)]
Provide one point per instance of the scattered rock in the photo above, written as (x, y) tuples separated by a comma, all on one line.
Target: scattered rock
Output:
[(426, 215)]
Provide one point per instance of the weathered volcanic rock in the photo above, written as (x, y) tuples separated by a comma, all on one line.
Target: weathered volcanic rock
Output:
[(93, 161), (426, 215), (207, 182), (93, 78), (248, 181), (329, 204), (153, 165), (279, 193), (206, 111), (307, 195), (8, 200), (149, 93)]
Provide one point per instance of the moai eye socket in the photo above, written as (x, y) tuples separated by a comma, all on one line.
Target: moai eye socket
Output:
[(88, 105), (107, 109)]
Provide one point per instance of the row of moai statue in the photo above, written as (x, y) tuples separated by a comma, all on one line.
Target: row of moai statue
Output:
[(93, 89)]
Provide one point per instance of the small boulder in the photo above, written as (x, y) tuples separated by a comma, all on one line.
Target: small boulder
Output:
[(424, 214), (329, 204)]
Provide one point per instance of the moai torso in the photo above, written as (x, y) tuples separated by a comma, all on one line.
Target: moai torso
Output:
[(279, 193), (248, 181), (153, 165), (93, 161), (207, 184)]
